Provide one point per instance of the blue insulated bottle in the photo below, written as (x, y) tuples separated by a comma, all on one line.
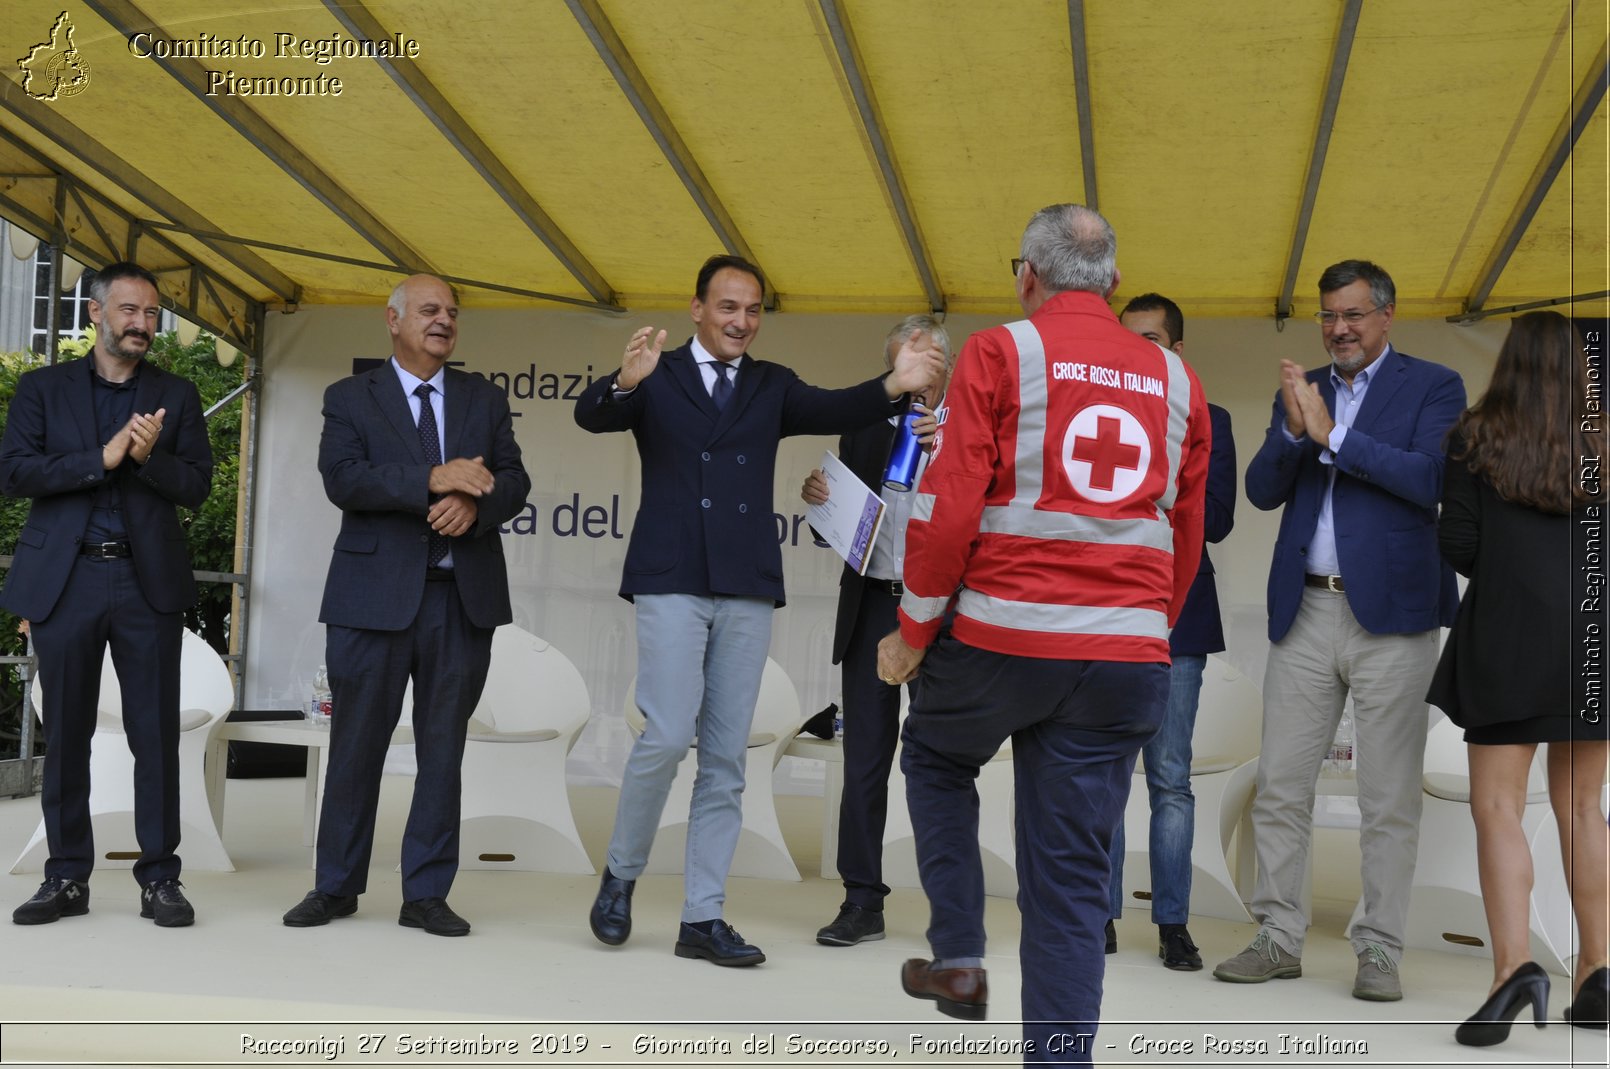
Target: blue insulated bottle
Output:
[(901, 471)]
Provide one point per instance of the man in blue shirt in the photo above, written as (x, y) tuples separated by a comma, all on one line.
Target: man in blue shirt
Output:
[(1357, 591), (1199, 632)]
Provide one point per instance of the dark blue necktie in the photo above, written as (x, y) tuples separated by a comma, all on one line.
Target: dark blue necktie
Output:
[(723, 391), (431, 443)]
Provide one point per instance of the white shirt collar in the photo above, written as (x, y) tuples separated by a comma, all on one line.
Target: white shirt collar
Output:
[(410, 381)]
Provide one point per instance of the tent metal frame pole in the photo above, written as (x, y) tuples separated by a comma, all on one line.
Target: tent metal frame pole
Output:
[(1558, 153), (128, 20), (1081, 95), (391, 269), (601, 32), (86, 149), (102, 218), (1340, 55), (1550, 302), (246, 522), (363, 24), (873, 126)]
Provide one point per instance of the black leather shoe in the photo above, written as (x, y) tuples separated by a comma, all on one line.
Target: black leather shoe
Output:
[(821, 725), (854, 924), (55, 899), (960, 993), (165, 903), (434, 915), (1175, 947), (1588, 1009), (1490, 1024), (723, 945), (611, 918), (318, 908), (1112, 938)]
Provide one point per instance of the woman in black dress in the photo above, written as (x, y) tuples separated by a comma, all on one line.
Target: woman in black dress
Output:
[(1518, 510)]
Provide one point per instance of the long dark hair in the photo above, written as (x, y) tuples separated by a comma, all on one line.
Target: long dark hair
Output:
[(1530, 431)]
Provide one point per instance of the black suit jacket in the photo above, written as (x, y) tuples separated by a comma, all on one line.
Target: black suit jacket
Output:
[(865, 452), (1200, 628), (51, 452), (375, 472), (705, 524)]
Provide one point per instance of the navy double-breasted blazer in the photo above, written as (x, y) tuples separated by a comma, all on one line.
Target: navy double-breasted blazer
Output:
[(705, 524)]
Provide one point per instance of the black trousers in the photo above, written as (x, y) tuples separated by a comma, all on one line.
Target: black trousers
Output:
[(447, 657), (102, 606), (871, 730)]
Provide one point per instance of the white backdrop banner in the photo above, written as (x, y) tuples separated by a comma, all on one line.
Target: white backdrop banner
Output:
[(566, 547)]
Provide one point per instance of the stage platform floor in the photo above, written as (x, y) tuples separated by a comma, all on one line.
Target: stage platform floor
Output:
[(240, 988)]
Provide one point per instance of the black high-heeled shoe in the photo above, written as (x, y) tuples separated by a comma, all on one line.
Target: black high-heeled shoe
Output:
[(1590, 1007), (1490, 1024)]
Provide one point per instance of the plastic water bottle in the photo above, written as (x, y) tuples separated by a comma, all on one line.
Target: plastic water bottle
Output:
[(1340, 759), (319, 705), (904, 453)]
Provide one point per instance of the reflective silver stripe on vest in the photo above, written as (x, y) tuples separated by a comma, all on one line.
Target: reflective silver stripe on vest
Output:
[(1068, 527), (922, 610), (1027, 467), (922, 507), (1061, 619), (1179, 412)]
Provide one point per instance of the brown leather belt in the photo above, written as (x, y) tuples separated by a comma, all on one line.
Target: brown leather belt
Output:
[(1333, 583)]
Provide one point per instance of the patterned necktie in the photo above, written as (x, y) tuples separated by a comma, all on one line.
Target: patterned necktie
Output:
[(432, 445), (723, 391)]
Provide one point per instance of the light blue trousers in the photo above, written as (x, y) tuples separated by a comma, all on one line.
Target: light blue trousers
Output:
[(699, 663)]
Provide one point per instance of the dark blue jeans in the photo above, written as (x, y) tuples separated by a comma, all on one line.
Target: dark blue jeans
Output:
[(1075, 727), (1168, 786)]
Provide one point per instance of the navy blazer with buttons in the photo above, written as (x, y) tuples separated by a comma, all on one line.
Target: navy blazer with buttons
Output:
[(376, 473), (1388, 484), (705, 524), (52, 453), (1200, 628)]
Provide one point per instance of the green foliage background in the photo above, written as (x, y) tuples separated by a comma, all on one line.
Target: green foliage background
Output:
[(210, 530)]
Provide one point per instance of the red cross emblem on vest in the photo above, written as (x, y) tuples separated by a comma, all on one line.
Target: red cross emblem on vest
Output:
[(1106, 453)]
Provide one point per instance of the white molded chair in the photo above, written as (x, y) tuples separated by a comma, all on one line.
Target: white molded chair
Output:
[(761, 850), (1445, 904), (206, 694), (514, 807), (997, 835), (1224, 767)]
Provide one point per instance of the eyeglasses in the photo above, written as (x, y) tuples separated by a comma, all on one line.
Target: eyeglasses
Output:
[(1328, 319), (1017, 265)]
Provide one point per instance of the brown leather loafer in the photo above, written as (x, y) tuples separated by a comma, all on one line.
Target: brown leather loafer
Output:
[(960, 993)]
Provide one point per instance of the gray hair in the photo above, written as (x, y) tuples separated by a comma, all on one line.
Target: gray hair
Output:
[(398, 301), (1071, 248), (101, 282), (1340, 275), (910, 325)]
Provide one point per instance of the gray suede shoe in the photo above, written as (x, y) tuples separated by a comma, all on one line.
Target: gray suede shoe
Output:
[(1263, 960), (1377, 979)]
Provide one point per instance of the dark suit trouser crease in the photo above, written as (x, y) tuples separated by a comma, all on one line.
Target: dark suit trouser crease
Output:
[(447, 657), (102, 606), (1075, 727), (871, 731)]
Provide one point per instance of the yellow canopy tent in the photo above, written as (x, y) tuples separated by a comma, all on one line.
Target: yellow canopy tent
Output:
[(870, 155)]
